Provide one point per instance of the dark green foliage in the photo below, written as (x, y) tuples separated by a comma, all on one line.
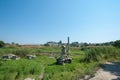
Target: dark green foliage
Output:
[(46, 44), (117, 43), (60, 43), (2, 44), (75, 44), (84, 48)]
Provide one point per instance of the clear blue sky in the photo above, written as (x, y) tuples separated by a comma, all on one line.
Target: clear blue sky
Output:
[(39, 21)]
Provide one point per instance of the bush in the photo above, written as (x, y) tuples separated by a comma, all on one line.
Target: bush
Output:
[(117, 43), (2, 44)]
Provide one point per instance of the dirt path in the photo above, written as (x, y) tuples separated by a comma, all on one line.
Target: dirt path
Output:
[(110, 71)]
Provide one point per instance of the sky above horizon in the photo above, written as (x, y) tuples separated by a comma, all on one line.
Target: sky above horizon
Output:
[(39, 21)]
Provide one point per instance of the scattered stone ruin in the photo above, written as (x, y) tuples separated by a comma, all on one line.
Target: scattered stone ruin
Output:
[(10, 56), (31, 56)]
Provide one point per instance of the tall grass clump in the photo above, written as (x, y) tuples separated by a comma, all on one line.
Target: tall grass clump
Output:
[(21, 52), (96, 54), (19, 69), (92, 55)]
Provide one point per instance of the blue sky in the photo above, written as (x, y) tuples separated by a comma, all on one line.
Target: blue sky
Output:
[(39, 21)]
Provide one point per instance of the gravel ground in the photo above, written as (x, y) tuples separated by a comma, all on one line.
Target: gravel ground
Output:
[(110, 71)]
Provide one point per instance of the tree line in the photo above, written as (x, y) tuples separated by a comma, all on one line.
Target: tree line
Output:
[(74, 44)]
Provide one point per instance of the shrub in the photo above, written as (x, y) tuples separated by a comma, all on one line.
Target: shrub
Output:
[(2, 44), (117, 43)]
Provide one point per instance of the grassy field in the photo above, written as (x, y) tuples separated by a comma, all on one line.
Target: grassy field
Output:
[(84, 62)]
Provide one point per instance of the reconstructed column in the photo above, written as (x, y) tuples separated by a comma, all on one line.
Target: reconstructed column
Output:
[(68, 46)]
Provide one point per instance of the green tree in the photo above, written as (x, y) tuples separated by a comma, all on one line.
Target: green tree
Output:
[(117, 43), (75, 44), (60, 43), (2, 44)]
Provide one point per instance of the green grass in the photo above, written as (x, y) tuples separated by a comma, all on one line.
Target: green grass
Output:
[(16, 69), (106, 53), (23, 68), (20, 69), (73, 71)]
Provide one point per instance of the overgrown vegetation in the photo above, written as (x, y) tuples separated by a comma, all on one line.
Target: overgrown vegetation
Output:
[(2, 44), (19, 69), (107, 53), (85, 61), (73, 71), (117, 43)]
